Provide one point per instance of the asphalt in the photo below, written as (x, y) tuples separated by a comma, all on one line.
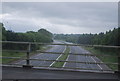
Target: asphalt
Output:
[(80, 50), (73, 49), (25, 73), (42, 73), (45, 56)]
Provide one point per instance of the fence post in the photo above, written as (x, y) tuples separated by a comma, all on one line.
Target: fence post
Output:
[(118, 72), (28, 57)]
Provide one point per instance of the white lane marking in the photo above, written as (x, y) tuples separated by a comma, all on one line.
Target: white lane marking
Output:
[(97, 64), (58, 57), (37, 56), (66, 59), (55, 61), (65, 62), (98, 59)]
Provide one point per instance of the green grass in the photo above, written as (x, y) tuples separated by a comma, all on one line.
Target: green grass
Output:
[(44, 48), (18, 54), (63, 57), (104, 51), (11, 54)]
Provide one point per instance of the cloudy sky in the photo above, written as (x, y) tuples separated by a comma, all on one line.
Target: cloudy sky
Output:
[(60, 17)]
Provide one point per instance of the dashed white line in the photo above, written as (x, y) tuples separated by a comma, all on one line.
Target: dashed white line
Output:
[(66, 59), (58, 57), (55, 61), (65, 62), (97, 64)]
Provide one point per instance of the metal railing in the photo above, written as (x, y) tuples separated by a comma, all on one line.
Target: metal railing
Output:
[(28, 59)]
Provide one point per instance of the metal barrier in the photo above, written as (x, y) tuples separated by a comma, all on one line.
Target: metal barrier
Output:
[(28, 59)]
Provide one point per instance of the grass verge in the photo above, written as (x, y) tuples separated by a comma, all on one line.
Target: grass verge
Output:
[(63, 57), (44, 48), (104, 51), (18, 54), (11, 54)]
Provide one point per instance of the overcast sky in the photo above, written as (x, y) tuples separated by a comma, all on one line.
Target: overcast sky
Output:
[(61, 17)]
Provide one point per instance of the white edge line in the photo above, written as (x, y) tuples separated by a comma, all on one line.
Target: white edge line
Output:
[(65, 62), (57, 58), (100, 60), (66, 59), (97, 64)]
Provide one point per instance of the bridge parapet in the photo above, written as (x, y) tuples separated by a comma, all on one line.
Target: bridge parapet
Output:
[(29, 59)]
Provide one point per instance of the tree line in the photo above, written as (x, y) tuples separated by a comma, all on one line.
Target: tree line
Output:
[(111, 37), (42, 36)]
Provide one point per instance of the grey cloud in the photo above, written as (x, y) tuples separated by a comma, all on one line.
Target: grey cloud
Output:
[(63, 10), (87, 15)]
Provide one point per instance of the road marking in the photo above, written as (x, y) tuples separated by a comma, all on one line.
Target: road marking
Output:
[(66, 59), (94, 61), (58, 57), (37, 56), (97, 64), (98, 59), (55, 61), (65, 62)]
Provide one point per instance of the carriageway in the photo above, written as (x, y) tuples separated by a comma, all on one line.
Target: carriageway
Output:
[(61, 61)]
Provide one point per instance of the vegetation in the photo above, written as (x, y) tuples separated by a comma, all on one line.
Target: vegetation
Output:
[(111, 37), (63, 57), (11, 54), (112, 58), (67, 37), (19, 54), (41, 35)]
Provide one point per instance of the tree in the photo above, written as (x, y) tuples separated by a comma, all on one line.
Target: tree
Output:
[(42, 36)]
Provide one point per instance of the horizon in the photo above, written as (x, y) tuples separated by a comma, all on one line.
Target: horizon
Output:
[(65, 17), (63, 33)]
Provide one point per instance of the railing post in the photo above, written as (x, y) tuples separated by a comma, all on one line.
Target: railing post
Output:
[(27, 60), (118, 72), (28, 57), (119, 61)]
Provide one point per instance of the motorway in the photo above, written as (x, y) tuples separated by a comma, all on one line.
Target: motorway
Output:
[(73, 49), (45, 56), (81, 58)]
